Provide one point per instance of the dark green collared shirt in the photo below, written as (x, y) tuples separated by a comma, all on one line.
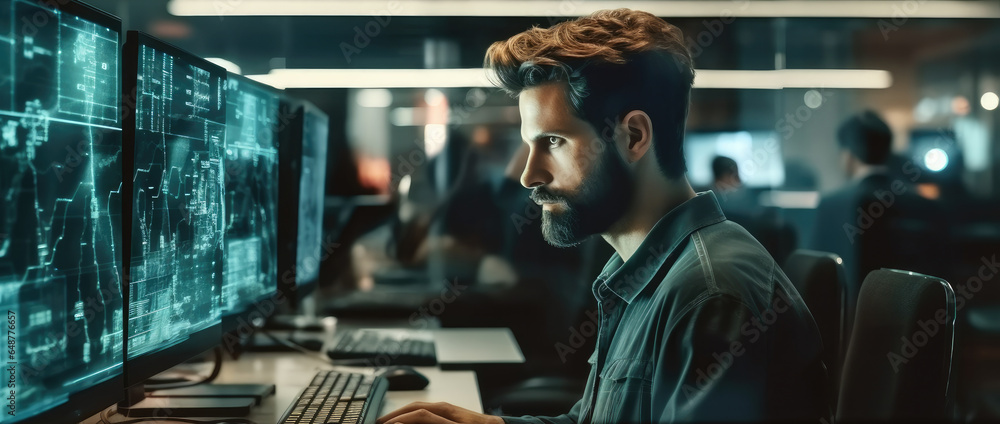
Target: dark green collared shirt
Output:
[(700, 324)]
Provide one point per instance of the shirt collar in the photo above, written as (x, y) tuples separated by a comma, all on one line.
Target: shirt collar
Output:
[(627, 278)]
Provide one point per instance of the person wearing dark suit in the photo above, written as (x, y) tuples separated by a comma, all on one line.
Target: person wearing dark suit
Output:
[(861, 222)]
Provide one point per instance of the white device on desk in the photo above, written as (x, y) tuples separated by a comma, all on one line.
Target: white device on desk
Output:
[(448, 347)]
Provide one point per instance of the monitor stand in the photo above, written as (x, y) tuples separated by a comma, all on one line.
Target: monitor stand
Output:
[(137, 404), (213, 391), (305, 320), (297, 322), (255, 391)]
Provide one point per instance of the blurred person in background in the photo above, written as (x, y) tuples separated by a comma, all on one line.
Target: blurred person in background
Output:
[(457, 226), (863, 221), (603, 102), (728, 188), (865, 147), (726, 175)]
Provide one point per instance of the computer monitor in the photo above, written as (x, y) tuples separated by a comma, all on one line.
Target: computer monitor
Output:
[(302, 152), (757, 153), (250, 274), (60, 245), (174, 145), (936, 153)]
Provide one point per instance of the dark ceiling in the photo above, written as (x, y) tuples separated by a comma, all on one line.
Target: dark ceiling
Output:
[(333, 42)]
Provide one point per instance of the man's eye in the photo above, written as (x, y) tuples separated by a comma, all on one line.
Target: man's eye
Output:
[(554, 141)]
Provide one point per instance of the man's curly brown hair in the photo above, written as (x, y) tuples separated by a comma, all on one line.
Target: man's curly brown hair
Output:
[(612, 62)]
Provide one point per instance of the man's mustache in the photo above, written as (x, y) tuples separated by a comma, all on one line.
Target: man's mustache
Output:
[(542, 195)]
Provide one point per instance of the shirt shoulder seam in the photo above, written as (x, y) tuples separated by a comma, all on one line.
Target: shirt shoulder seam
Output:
[(705, 261)]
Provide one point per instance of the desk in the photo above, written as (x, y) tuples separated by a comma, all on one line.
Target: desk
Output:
[(291, 372)]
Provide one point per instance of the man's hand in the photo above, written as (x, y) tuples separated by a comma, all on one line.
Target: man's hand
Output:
[(437, 413)]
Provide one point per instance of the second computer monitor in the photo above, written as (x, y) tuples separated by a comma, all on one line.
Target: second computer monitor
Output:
[(303, 148), (175, 137), (251, 176)]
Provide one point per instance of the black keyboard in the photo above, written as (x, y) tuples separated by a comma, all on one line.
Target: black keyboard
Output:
[(383, 349), (338, 397)]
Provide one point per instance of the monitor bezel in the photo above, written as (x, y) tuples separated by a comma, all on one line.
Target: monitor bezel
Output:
[(308, 287), (92, 400), (290, 146), (140, 369), (265, 305)]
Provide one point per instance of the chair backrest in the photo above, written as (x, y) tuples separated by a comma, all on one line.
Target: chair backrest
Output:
[(898, 363), (820, 279)]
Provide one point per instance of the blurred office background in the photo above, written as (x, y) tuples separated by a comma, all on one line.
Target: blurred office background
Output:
[(422, 185)]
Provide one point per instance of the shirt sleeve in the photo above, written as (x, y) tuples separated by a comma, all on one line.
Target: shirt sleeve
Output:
[(571, 417), (711, 365)]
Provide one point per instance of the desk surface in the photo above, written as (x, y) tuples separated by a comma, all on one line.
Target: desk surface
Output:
[(291, 372)]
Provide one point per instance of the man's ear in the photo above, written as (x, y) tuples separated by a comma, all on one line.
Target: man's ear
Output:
[(637, 137)]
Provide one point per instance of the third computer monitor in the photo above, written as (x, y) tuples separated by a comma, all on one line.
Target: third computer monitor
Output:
[(175, 138), (251, 177), (60, 176), (303, 146)]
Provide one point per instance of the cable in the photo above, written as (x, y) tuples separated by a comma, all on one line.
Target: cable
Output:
[(296, 347), (106, 419), (216, 369), (365, 362)]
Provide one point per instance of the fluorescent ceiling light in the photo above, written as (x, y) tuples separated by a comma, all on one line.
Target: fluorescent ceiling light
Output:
[(476, 77), (793, 78), (374, 97), (574, 8), (417, 116), (374, 78), (227, 65)]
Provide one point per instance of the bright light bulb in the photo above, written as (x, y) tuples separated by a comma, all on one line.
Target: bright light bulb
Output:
[(936, 159), (990, 100)]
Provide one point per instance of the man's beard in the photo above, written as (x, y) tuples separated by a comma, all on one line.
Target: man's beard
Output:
[(602, 199)]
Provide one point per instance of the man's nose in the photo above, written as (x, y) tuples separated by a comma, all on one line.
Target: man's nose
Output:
[(535, 173)]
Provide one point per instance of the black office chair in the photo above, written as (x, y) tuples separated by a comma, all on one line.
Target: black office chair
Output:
[(820, 279), (898, 364)]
